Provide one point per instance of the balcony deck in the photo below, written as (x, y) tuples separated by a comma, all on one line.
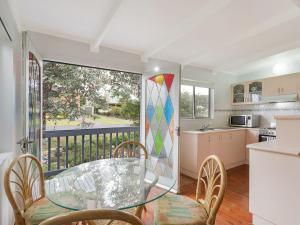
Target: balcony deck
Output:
[(64, 148)]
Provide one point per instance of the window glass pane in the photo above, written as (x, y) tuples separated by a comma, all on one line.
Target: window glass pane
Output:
[(201, 102), (186, 101)]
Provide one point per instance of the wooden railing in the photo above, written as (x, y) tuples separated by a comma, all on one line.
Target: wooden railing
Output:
[(70, 147)]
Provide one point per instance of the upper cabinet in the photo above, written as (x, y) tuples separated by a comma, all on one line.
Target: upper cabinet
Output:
[(259, 90), (238, 93), (283, 85), (254, 93)]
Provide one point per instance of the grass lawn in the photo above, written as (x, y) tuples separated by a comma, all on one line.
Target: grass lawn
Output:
[(100, 120)]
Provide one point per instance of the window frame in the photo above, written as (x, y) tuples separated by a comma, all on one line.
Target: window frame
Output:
[(194, 102)]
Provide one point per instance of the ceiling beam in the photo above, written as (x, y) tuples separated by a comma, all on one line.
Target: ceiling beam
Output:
[(182, 29), (229, 66), (271, 23), (94, 47)]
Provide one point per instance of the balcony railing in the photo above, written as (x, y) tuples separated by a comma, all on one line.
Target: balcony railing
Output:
[(70, 147)]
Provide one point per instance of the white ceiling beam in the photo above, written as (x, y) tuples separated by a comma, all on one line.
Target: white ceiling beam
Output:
[(182, 29), (271, 23), (94, 47), (258, 56)]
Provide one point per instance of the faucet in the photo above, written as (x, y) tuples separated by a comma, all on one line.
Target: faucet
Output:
[(205, 126)]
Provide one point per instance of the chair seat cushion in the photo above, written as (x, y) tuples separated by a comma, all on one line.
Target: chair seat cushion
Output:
[(42, 210), (174, 209)]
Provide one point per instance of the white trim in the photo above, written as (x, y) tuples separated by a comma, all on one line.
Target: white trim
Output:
[(273, 22), (94, 47)]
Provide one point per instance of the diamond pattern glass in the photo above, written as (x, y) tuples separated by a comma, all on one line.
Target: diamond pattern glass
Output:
[(159, 107)]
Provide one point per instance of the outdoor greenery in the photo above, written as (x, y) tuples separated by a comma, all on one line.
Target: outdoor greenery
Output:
[(90, 151), (98, 119), (68, 88), (194, 102)]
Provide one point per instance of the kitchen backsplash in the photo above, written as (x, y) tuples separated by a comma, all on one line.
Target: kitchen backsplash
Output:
[(266, 111)]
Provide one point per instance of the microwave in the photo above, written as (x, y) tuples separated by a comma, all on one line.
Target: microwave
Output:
[(244, 120)]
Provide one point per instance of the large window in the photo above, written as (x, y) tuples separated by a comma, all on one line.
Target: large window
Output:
[(75, 95), (195, 102)]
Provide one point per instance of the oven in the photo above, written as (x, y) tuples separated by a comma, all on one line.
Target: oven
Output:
[(267, 134), (266, 137)]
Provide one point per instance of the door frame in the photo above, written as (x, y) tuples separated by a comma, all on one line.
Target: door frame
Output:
[(27, 47), (172, 68)]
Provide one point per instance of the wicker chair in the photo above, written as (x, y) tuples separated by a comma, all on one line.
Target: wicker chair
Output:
[(90, 216), (180, 210), (130, 149), (24, 187)]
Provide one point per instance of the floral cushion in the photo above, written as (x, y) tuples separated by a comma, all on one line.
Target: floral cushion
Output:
[(42, 210), (179, 210)]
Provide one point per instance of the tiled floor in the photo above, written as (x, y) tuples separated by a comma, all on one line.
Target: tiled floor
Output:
[(235, 207)]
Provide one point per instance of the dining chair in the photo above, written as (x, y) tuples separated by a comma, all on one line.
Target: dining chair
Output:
[(25, 190), (91, 217), (130, 149), (180, 210)]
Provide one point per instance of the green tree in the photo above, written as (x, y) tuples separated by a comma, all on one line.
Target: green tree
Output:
[(131, 110), (67, 87)]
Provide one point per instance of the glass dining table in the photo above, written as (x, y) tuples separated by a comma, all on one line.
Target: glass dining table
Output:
[(116, 183)]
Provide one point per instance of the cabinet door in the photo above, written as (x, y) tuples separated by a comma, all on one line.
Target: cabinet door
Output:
[(238, 93), (227, 143), (289, 84), (252, 137), (271, 86), (215, 144), (203, 148), (236, 149), (189, 152), (254, 91)]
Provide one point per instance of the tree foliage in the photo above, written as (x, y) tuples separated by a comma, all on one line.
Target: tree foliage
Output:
[(66, 88)]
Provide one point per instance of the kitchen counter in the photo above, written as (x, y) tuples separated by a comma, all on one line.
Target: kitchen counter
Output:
[(217, 130), (274, 147)]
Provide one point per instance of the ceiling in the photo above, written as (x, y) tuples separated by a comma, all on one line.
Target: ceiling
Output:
[(222, 35)]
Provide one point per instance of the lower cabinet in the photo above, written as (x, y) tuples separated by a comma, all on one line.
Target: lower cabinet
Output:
[(195, 147)]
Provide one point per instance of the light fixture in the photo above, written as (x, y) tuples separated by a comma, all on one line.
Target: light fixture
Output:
[(156, 69), (280, 68)]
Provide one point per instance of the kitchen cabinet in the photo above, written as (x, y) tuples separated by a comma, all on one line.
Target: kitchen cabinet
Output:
[(282, 85), (252, 136), (238, 93), (195, 147), (254, 91)]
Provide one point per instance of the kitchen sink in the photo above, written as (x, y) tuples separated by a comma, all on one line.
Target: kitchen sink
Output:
[(209, 129)]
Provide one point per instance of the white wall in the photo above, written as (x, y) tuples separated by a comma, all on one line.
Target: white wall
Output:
[(222, 105), (63, 50), (10, 67)]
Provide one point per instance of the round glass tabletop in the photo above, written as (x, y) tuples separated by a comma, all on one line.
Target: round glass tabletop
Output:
[(110, 183)]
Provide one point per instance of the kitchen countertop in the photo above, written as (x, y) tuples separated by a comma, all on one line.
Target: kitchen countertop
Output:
[(274, 147), (217, 130)]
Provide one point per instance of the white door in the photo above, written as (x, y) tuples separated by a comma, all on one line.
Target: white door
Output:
[(31, 98), (160, 117)]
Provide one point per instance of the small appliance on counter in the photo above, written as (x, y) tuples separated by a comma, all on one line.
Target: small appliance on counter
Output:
[(244, 120), (267, 134)]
